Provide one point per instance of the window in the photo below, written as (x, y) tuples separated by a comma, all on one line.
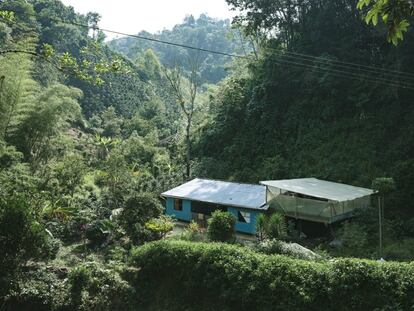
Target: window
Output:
[(198, 207), (178, 204), (243, 217)]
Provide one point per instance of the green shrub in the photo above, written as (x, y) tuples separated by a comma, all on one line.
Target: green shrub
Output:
[(275, 226), (94, 287), (90, 286), (38, 290), (79, 279), (139, 209), (402, 250), (221, 226), (160, 226), (21, 236), (272, 226), (95, 234), (50, 247), (193, 232), (354, 239), (99, 230), (179, 275)]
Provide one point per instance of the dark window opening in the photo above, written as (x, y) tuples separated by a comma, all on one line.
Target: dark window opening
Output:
[(243, 217), (304, 196), (178, 204), (205, 208)]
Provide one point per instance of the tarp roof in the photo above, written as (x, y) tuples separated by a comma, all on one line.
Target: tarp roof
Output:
[(221, 192), (320, 188)]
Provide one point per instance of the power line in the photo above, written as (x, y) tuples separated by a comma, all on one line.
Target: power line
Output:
[(164, 42), (327, 61), (238, 56), (350, 75), (283, 57), (295, 56), (372, 68), (137, 36), (342, 64)]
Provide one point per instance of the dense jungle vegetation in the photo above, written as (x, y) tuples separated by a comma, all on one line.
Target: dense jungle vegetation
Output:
[(91, 132)]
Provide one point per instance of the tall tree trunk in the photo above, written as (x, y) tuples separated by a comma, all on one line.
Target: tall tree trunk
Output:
[(188, 147)]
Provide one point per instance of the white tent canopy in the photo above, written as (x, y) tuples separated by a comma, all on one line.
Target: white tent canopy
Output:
[(221, 192), (320, 188)]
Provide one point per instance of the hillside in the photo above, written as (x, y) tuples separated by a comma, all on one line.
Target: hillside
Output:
[(281, 120), (203, 32)]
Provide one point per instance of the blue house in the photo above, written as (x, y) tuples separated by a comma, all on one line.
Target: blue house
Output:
[(307, 199), (198, 198)]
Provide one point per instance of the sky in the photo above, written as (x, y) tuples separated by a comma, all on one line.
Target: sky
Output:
[(132, 16)]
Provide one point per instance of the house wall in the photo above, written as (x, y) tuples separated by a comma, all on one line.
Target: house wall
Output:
[(242, 226), (185, 214)]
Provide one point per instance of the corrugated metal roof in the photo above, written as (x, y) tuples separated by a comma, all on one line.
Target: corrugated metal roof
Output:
[(221, 192), (320, 188)]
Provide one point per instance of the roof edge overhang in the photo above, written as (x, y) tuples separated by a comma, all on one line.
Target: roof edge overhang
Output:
[(262, 207), (265, 183)]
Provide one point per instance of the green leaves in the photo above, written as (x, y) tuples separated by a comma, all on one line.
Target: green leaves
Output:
[(48, 51), (396, 32), (7, 16), (383, 185), (85, 69), (363, 3), (230, 277), (221, 226), (160, 226), (394, 15)]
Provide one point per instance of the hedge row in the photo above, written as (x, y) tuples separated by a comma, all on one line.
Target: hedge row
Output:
[(179, 275)]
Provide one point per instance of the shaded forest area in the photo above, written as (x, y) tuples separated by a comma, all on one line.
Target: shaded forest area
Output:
[(278, 120)]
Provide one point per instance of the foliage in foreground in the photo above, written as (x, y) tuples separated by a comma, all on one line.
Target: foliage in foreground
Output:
[(178, 275), (139, 211), (87, 287), (221, 226), (21, 239)]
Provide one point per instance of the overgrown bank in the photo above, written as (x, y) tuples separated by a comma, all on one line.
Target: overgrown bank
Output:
[(177, 275)]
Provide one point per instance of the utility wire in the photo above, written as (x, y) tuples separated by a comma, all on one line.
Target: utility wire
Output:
[(296, 57), (327, 61), (162, 41), (135, 36), (326, 66), (343, 74), (371, 68)]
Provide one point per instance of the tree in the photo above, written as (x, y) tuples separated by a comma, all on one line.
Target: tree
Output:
[(70, 173), (139, 208), (21, 238), (221, 226), (186, 99), (394, 14), (261, 19), (34, 129), (150, 65)]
